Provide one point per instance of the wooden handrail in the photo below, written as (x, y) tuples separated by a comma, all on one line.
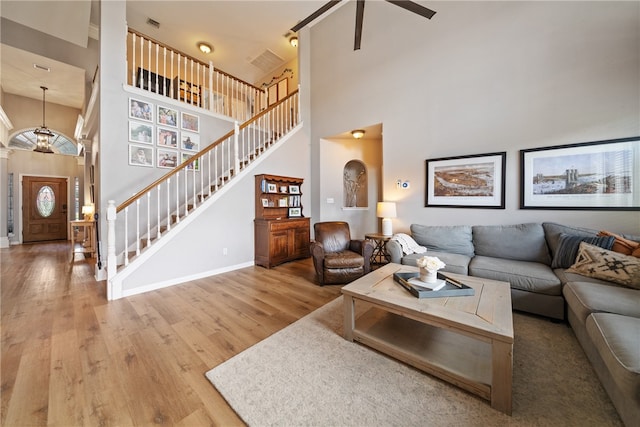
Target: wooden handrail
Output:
[(198, 155), (159, 43)]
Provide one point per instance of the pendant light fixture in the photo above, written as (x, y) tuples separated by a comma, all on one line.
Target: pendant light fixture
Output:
[(43, 135)]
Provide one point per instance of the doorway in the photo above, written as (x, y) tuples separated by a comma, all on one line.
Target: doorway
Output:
[(44, 209)]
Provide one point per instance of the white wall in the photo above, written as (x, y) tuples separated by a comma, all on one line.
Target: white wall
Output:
[(197, 251), (479, 77)]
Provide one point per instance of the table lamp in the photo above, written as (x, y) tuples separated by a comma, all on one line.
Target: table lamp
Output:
[(386, 211), (87, 211)]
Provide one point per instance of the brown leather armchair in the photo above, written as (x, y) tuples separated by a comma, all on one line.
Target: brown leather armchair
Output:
[(337, 258)]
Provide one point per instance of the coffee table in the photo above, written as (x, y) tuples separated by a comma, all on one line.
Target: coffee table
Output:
[(464, 340)]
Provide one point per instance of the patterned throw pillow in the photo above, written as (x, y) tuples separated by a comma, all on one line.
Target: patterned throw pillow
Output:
[(622, 245), (568, 248), (599, 263)]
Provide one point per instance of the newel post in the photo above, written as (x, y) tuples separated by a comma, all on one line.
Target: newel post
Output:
[(111, 244)]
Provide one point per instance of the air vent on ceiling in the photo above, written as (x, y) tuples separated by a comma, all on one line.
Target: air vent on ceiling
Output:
[(153, 23), (267, 61)]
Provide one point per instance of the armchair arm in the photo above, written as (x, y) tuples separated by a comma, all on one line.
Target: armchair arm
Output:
[(317, 252), (365, 248)]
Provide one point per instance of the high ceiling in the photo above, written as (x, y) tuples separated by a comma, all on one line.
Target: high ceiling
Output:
[(44, 32)]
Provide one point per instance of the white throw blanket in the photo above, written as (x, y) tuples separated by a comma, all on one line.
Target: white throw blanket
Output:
[(409, 246)]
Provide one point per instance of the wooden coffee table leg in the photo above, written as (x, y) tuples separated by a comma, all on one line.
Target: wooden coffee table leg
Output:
[(502, 369), (349, 317)]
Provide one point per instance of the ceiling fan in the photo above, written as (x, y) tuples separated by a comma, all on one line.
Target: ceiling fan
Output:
[(405, 4)]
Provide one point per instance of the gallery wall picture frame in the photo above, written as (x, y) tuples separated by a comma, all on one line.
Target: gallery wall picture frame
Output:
[(141, 110), (140, 132), (597, 175), (167, 137), (473, 181), (295, 212), (167, 159), (193, 165), (167, 116), (141, 155), (190, 122), (189, 141)]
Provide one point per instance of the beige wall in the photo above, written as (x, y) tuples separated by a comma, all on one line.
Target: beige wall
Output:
[(27, 113), (480, 77)]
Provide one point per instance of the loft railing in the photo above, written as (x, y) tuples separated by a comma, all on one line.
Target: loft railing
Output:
[(158, 68), (150, 213)]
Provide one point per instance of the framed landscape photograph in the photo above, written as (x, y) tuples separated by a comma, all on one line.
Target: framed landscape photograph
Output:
[(294, 189), (167, 116), (140, 110), (475, 181), (599, 175), (140, 132), (295, 212), (190, 122), (190, 141), (167, 159)]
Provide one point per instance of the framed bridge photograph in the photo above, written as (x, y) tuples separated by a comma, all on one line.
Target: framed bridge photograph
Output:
[(599, 175), (475, 181)]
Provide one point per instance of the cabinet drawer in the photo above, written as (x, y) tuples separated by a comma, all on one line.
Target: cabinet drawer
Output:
[(287, 225)]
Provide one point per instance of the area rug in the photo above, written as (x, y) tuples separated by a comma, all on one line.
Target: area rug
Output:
[(307, 374)]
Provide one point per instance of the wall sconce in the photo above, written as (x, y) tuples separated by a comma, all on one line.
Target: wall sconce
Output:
[(386, 211), (87, 211), (293, 41), (204, 47), (358, 133)]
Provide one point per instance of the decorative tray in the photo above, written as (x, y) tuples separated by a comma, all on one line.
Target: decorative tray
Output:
[(452, 287)]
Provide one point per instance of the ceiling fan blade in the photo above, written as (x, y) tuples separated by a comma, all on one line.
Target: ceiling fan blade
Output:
[(314, 15), (414, 7), (359, 17)]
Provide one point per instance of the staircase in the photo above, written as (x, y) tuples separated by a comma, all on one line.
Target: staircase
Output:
[(155, 213)]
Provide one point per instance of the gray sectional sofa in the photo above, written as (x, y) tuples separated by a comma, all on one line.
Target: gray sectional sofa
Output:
[(533, 258)]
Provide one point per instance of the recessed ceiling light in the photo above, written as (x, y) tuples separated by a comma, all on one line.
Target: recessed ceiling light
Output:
[(205, 47)]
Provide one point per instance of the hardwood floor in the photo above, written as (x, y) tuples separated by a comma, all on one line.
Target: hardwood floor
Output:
[(70, 358)]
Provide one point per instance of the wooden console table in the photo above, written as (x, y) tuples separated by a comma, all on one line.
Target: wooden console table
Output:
[(88, 242)]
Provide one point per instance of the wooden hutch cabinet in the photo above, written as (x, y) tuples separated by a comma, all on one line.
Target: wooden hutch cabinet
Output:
[(281, 232)]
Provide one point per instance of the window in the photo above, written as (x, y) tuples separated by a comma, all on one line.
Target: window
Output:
[(45, 201)]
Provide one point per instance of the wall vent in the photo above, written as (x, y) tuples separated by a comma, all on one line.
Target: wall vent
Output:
[(266, 61), (153, 23)]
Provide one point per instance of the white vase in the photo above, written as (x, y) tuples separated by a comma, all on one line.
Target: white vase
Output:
[(428, 276)]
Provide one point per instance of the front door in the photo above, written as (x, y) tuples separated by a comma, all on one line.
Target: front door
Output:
[(44, 209)]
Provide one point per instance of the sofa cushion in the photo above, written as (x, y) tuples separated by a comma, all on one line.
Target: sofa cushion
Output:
[(616, 339), (585, 298), (566, 277), (593, 261), (455, 263), (523, 275), (444, 238), (343, 259), (568, 245), (552, 232), (523, 242)]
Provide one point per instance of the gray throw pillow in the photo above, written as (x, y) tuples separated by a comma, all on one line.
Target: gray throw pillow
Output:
[(568, 245)]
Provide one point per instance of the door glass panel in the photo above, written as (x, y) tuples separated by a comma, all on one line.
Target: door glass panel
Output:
[(45, 201)]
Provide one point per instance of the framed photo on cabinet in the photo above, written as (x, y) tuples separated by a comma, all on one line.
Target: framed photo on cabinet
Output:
[(295, 212)]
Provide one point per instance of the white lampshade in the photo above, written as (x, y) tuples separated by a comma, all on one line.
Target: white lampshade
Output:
[(386, 211), (87, 211)]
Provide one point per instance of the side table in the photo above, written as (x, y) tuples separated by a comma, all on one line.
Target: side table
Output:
[(379, 256)]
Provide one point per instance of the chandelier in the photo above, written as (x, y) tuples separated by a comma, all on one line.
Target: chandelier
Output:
[(43, 135)]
